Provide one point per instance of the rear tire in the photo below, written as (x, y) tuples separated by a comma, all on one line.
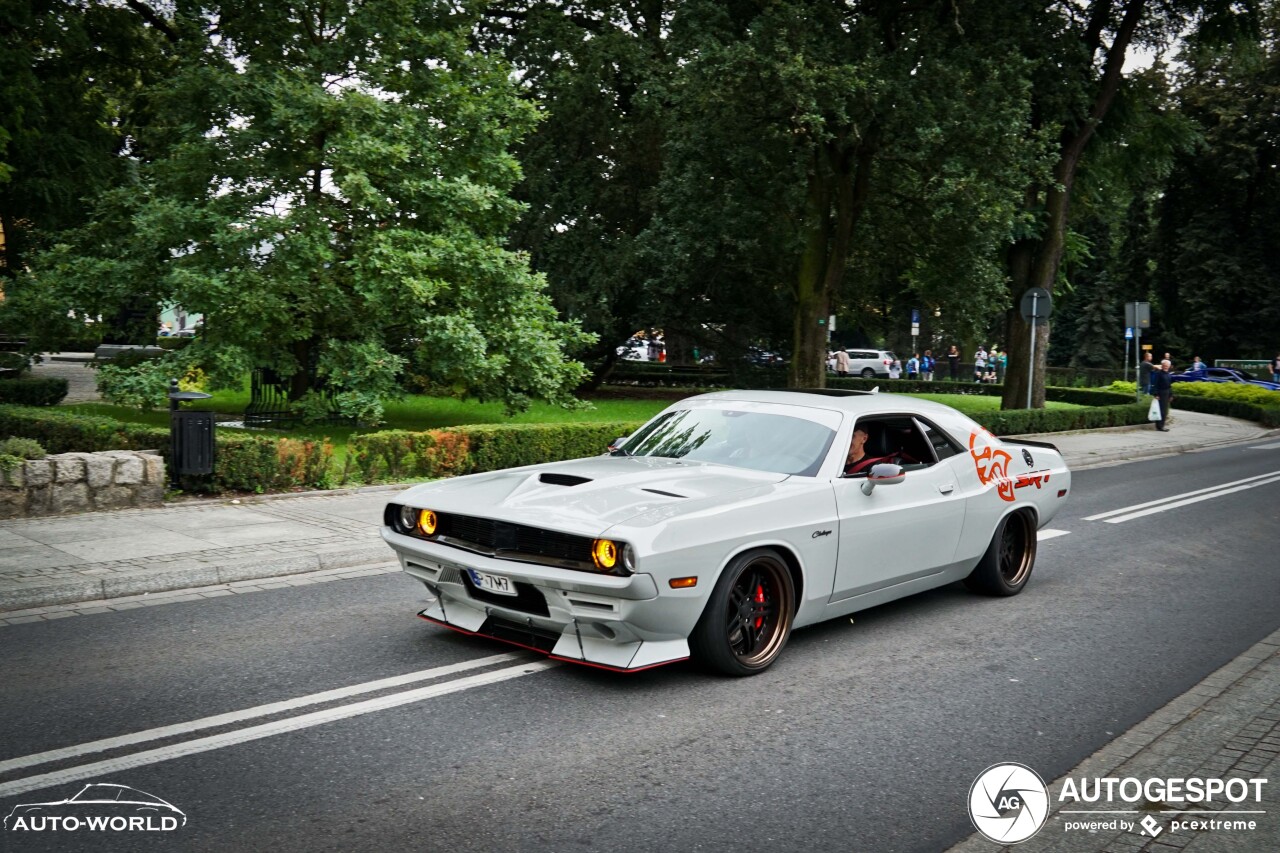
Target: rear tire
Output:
[(868, 373), (1006, 565), (748, 618)]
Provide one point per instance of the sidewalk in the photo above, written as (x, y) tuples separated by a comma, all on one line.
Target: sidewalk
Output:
[(59, 567)]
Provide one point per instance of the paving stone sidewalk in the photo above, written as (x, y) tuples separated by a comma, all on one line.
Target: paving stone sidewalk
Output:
[(60, 560)]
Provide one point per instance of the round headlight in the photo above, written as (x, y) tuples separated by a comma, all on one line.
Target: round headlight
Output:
[(408, 518), (428, 522), (629, 558), (605, 553)]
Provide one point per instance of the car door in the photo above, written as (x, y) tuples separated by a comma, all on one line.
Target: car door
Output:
[(901, 532)]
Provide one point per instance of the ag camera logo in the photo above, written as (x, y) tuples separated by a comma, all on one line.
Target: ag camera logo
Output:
[(1008, 803)]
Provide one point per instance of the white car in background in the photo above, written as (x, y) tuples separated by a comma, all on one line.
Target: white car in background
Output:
[(870, 363), (726, 522)]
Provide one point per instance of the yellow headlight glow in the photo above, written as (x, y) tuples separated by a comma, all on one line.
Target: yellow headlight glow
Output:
[(605, 553), (428, 522)]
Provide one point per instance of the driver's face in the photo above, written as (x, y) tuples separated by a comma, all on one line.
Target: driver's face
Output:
[(859, 439)]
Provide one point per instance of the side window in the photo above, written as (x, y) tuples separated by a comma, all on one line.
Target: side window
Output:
[(895, 438), (943, 446)]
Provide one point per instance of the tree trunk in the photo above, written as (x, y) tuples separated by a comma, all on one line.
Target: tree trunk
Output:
[(1034, 262), (839, 182)]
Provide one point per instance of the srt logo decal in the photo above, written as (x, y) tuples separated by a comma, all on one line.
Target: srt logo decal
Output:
[(1036, 478), (992, 465)]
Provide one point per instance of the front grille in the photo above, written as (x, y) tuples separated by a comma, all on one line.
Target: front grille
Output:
[(499, 536)]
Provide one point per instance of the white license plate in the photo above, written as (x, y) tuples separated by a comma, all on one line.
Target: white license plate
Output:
[(492, 583)]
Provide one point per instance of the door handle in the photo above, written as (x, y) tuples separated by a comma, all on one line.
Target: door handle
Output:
[(946, 488)]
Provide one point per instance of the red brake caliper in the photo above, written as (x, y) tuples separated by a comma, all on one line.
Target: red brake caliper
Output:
[(759, 599)]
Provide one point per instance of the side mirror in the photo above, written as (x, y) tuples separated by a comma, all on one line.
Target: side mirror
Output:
[(883, 474)]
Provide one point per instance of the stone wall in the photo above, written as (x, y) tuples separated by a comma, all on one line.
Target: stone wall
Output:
[(80, 482)]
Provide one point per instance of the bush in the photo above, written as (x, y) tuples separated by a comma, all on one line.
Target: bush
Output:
[(1023, 421), (23, 448), (12, 364), (250, 463), (33, 391), (1232, 392), (172, 343), (398, 454)]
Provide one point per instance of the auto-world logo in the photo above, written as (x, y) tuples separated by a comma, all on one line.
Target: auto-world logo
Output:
[(1008, 803), (98, 807)]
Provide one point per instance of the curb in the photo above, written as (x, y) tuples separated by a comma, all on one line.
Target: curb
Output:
[(90, 589)]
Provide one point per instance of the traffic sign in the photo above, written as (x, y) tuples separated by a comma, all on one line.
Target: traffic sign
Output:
[(1037, 304), (1128, 333)]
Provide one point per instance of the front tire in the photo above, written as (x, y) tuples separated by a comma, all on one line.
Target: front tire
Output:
[(748, 618), (868, 373), (1006, 565)]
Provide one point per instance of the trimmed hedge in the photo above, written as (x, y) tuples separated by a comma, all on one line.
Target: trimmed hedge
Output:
[(249, 463), (1023, 421), (399, 454), (1268, 416), (33, 391)]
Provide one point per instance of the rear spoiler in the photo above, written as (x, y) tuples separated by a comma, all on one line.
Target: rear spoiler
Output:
[(1030, 443)]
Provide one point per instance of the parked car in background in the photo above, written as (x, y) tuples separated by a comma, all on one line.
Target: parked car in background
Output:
[(725, 522), (1227, 375), (869, 363)]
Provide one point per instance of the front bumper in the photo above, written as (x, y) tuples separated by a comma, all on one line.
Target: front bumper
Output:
[(618, 623)]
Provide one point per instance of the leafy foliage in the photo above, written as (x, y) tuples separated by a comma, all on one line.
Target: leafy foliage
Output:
[(329, 187)]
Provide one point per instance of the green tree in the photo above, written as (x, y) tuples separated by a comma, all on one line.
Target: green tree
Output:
[(811, 139), (596, 72), (1219, 217), (329, 184), (1079, 54), (70, 79)]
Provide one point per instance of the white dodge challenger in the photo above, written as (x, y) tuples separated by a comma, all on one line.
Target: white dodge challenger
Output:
[(724, 523)]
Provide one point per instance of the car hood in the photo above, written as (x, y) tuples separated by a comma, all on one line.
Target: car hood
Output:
[(585, 496)]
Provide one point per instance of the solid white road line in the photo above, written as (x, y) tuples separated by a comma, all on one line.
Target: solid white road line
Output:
[(1049, 533), (1127, 509), (1131, 516), (250, 713), (289, 724)]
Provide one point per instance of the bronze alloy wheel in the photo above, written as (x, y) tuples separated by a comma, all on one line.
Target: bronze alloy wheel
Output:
[(1016, 558), (1007, 563), (758, 616)]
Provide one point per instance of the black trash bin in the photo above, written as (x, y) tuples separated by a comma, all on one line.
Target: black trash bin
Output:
[(190, 436)]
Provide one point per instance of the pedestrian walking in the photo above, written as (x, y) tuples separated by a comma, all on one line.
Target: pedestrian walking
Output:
[(1162, 389), (926, 366), (979, 363), (913, 366), (953, 361), (895, 369), (1275, 368), (1144, 373), (1197, 365), (842, 363)]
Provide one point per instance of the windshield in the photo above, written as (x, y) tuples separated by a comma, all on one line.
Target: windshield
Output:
[(745, 439)]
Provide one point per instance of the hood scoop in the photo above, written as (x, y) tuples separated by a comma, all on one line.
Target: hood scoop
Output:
[(665, 494), (552, 478)]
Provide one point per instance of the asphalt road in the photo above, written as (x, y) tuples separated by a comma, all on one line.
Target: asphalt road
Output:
[(865, 736)]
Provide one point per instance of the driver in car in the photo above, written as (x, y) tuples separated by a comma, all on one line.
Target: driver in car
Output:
[(858, 462)]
